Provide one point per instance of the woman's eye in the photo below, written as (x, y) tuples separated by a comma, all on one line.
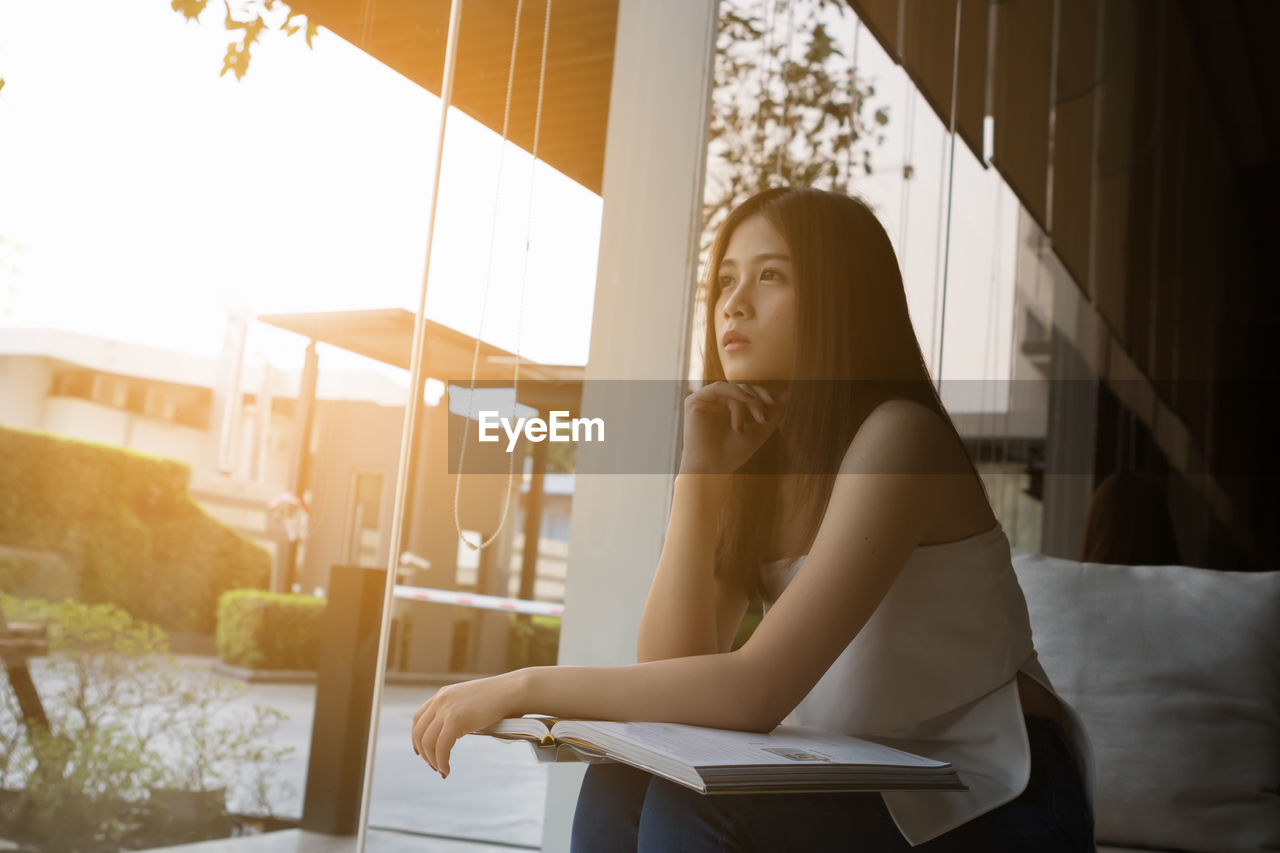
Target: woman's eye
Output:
[(725, 281), (772, 273)]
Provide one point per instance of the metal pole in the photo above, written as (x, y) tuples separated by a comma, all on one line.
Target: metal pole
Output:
[(406, 433), (304, 420), (945, 237)]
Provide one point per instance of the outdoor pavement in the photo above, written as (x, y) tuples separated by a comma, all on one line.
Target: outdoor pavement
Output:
[(495, 791)]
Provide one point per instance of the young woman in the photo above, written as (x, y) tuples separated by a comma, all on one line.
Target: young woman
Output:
[(817, 442)]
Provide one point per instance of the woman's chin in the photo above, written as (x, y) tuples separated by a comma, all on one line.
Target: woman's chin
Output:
[(746, 374)]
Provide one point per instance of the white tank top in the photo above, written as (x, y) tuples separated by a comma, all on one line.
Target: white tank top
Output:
[(933, 671)]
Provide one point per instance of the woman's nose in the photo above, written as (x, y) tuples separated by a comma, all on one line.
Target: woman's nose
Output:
[(736, 302)]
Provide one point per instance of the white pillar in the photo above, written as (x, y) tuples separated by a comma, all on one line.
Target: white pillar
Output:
[(655, 151)]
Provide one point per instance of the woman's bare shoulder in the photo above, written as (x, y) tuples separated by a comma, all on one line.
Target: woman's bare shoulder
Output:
[(906, 437), (903, 436)]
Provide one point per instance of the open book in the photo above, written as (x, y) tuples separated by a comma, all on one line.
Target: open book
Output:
[(724, 761)]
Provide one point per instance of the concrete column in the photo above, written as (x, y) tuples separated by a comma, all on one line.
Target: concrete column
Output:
[(655, 153)]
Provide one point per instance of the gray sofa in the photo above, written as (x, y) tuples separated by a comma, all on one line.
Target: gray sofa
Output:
[(1176, 673)]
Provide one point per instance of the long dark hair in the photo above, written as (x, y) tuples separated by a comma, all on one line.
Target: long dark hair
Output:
[(853, 334)]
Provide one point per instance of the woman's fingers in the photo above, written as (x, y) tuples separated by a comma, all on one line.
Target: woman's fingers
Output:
[(427, 743), (422, 719), (749, 398), (422, 709), (419, 728), (414, 733), (443, 746), (724, 391), (733, 390), (739, 398)]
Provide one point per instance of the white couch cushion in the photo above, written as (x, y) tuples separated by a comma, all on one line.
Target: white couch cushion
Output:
[(1176, 672)]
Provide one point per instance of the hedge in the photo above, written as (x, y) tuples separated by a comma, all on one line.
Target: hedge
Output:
[(126, 519), (86, 629), (269, 630)]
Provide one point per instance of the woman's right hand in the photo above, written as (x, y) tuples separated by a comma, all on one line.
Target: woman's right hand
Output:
[(725, 423)]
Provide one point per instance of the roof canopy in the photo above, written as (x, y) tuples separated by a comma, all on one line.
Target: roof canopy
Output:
[(409, 36), (386, 334)]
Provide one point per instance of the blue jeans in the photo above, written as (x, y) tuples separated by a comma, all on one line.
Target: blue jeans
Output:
[(621, 809)]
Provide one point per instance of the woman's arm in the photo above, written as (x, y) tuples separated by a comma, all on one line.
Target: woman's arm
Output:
[(881, 508), (688, 610), (718, 690)]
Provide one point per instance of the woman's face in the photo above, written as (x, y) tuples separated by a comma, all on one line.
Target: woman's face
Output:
[(757, 301)]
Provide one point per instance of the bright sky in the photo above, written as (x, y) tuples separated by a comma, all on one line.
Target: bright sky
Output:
[(142, 196), (147, 195)]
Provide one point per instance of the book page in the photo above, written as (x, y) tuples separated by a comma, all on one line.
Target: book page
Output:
[(698, 746), (567, 752), (530, 726)]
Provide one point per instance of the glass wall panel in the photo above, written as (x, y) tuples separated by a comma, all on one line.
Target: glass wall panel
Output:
[(984, 347), (907, 188), (212, 256), (206, 437), (513, 265), (882, 141), (980, 278)]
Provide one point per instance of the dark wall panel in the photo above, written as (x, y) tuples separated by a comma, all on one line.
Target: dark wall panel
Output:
[(1207, 175), (929, 50), (1175, 148), (1073, 137), (1125, 168), (929, 54), (1144, 173), (1023, 54), (971, 91), (881, 17)]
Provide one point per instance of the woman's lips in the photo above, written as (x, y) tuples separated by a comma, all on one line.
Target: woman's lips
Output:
[(734, 346)]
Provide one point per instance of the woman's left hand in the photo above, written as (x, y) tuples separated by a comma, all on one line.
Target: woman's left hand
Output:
[(458, 709)]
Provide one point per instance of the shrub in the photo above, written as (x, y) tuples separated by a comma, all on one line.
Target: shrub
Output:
[(126, 720), (126, 520), (269, 630)]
